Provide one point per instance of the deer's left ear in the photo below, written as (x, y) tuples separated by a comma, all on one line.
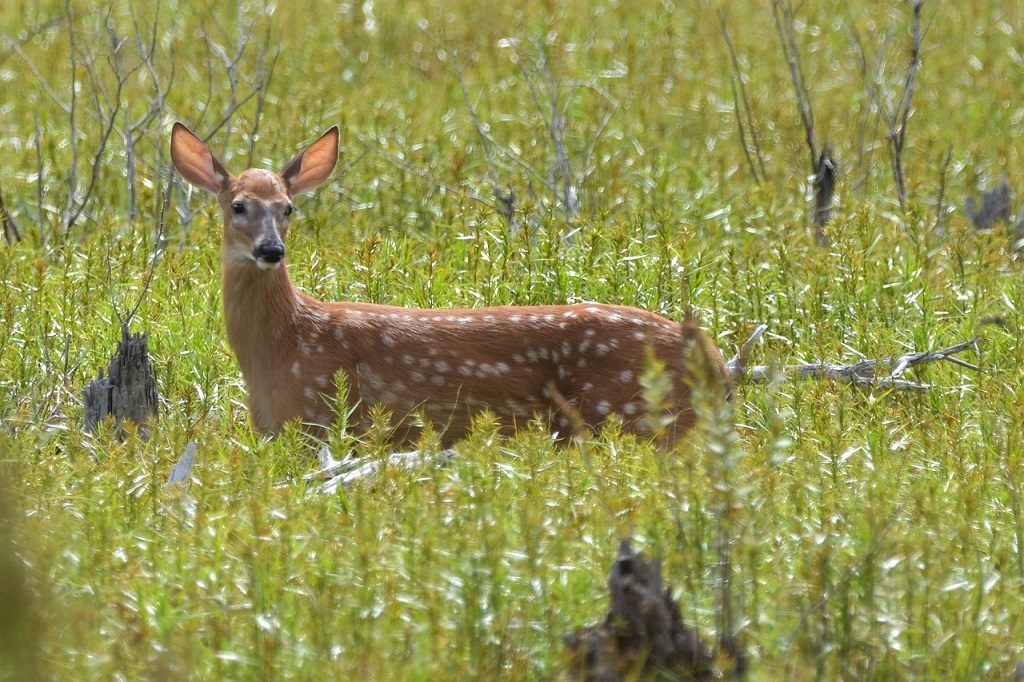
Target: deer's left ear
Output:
[(311, 167)]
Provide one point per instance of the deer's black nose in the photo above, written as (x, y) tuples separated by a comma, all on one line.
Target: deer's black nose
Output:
[(269, 252)]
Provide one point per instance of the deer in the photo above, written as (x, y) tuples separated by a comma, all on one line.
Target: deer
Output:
[(571, 365)]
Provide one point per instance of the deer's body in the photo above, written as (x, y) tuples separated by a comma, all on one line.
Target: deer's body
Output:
[(561, 362)]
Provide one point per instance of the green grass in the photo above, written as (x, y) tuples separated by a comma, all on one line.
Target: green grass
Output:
[(872, 535)]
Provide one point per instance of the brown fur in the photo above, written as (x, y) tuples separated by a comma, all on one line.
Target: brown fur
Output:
[(516, 362)]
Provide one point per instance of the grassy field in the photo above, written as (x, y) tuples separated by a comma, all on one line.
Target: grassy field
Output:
[(869, 535)]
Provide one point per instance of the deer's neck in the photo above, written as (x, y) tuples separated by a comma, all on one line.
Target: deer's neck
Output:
[(262, 312)]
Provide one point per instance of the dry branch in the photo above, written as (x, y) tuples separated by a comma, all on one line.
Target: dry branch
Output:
[(742, 109), (883, 373), (11, 232), (348, 472), (824, 166), (901, 114)]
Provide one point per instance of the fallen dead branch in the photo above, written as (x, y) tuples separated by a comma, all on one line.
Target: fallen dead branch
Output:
[(347, 472), (883, 373)]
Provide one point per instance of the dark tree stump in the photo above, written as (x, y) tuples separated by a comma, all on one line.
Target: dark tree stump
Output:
[(995, 206), (824, 184), (128, 391), (642, 635)]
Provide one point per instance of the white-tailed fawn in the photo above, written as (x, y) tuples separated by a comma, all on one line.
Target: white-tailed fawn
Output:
[(571, 364)]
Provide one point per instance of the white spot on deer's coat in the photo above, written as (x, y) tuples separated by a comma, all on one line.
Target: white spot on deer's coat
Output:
[(319, 348), (589, 332), (465, 370), (295, 368), (309, 412), (569, 314), (441, 366), (321, 381), (602, 349), (614, 317), (398, 386), (625, 376), (485, 369), (587, 386), (637, 320), (501, 367), (562, 372), (614, 343), (388, 340), (561, 325), (549, 318), (515, 318), (408, 359), (519, 358), (470, 362), (604, 407), (581, 363), (490, 318), (437, 380), (532, 355), (566, 348), (629, 409), (417, 377), (533, 318), (639, 336), (432, 352), (393, 316), (563, 422), (592, 309), (543, 352), (303, 347), (424, 363), (309, 392), (584, 345)]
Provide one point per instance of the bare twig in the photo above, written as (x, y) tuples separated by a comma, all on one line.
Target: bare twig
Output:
[(372, 147), (872, 109), (824, 166), (742, 109), (72, 124), (264, 75), (783, 15), (40, 180), (11, 232), (940, 201), (506, 201), (901, 114)]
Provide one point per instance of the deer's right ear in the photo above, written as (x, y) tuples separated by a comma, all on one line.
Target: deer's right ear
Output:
[(195, 161)]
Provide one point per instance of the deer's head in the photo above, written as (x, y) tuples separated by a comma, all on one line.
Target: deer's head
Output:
[(256, 204)]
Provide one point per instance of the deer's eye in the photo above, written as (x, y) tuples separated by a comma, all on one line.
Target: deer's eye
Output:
[(288, 210), (238, 208)]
